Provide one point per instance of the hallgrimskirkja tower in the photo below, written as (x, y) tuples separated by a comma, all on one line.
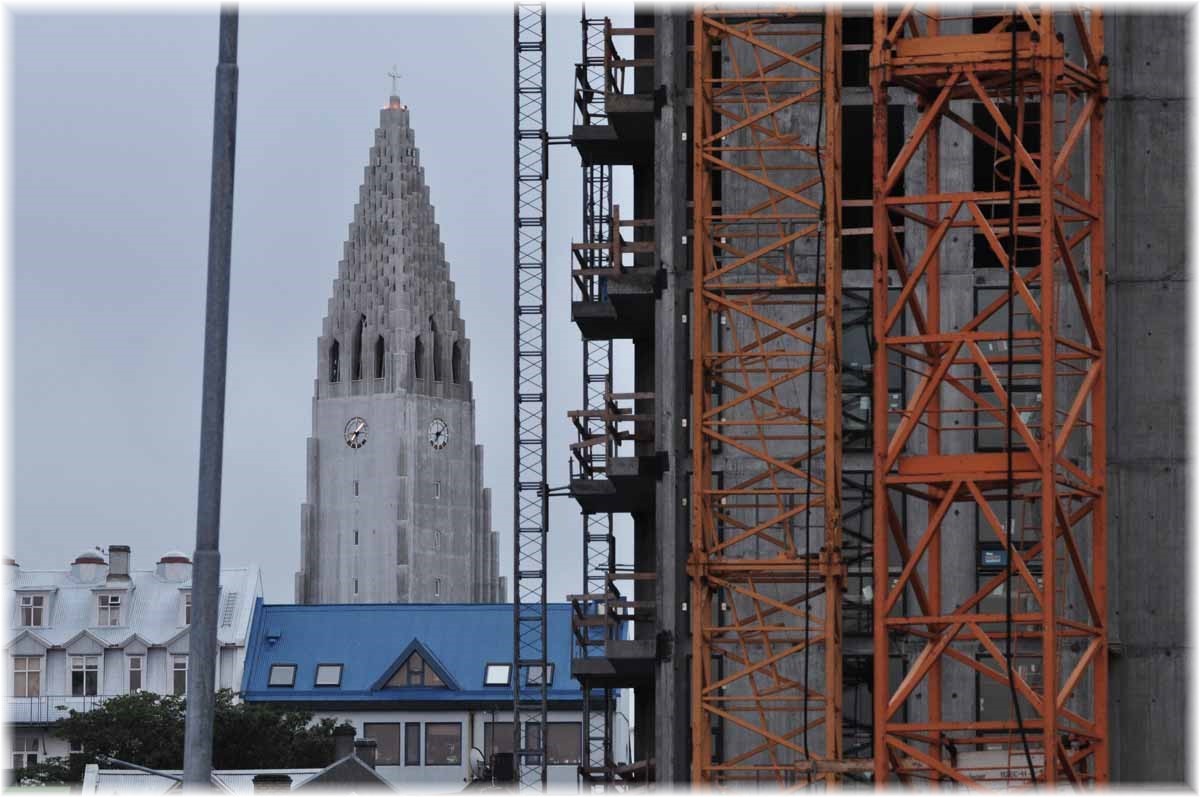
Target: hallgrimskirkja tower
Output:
[(396, 510)]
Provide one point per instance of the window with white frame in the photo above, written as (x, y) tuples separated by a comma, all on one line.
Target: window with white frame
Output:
[(75, 747), (25, 751), (443, 744), (33, 610), (109, 609), (27, 676), (179, 665), (136, 668), (187, 607), (85, 676)]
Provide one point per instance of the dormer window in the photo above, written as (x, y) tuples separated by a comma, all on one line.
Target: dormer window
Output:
[(109, 609), (33, 610), (415, 672)]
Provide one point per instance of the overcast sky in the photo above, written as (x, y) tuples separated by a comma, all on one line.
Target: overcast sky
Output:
[(111, 144)]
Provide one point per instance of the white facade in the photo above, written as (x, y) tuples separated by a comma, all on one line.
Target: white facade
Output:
[(99, 629)]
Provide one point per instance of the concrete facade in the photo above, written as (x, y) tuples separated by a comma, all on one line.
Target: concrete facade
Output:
[(396, 509), (1147, 160)]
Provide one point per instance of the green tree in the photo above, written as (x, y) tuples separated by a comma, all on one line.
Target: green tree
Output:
[(147, 729)]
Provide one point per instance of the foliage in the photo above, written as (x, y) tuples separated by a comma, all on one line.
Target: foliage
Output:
[(44, 773), (147, 729)]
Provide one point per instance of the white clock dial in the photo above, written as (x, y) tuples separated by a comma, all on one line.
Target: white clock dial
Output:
[(356, 432), (439, 433)]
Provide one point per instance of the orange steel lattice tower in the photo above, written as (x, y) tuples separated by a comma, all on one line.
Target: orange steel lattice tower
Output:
[(765, 567), (1028, 365)]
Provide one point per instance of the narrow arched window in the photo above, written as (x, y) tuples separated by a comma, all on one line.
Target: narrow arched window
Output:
[(334, 356), (379, 357), (437, 350), (419, 358), (456, 362), (356, 366)]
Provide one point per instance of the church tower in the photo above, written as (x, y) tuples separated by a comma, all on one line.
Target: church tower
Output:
[(396, 510)]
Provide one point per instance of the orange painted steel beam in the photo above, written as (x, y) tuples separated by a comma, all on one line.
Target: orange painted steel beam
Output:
[(928, 460), (766, 602)]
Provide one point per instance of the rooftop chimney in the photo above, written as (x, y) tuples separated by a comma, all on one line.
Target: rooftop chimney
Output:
[(343, 742), (118, 562), (365, 750)]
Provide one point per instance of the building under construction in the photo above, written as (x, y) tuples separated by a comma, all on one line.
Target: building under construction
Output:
[(904, 453)]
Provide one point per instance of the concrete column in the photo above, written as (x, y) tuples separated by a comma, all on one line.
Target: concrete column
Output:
[(1146, 161), (672, 394)]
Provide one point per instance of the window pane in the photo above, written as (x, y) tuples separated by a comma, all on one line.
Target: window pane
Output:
[(282, 675), (496, 675), (563, 743), (443, 743), (330, 675), (412, 744), (387, 737), (497, 738)]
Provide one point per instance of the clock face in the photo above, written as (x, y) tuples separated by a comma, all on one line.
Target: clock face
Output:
[(356, 432), (439, 433)]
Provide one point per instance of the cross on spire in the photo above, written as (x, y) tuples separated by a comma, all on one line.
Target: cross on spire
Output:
[(394, 75)]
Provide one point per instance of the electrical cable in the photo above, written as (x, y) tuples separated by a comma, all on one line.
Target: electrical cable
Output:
[(1014, 209)]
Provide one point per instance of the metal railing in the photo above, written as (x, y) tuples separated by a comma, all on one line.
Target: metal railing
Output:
[(597, 618), (616, 67), (50, 708), (600, 261), (601, 432)]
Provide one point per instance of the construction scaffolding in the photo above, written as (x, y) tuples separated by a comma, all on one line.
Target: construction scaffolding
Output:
[(589, 263), (765, 568), (530, 493), (1002, 422)]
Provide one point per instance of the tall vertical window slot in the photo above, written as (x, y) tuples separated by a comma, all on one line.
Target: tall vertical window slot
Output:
[(379, 347), (135, 673), (179, 667), (418, 358), (356, 363), (456, 362), (437, 350), (334, 361)]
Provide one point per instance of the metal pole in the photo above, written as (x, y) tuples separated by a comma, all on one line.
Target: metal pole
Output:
[(206, 562)]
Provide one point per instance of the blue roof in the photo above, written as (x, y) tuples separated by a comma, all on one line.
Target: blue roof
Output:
[(372, 640)]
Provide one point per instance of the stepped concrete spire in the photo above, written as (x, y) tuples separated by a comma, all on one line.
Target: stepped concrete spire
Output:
[(396, 509)]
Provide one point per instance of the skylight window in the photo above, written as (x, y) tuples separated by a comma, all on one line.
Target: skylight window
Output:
[(533, 675), (328, 675), (497, 675), (282, 675)]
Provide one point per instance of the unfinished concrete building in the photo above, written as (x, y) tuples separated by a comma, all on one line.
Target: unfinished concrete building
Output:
[(904, 455)]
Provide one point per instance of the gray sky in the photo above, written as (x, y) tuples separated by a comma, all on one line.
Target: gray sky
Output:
[(111, 145)]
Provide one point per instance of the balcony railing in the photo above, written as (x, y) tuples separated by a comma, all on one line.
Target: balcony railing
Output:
[(602, 431), (616, 67), (596, 263), (599, 617), (45, 709)]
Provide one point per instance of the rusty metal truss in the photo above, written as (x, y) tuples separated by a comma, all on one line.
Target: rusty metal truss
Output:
[(765, 568), (1003, 420)]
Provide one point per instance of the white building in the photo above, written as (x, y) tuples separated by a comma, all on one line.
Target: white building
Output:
[(99, 629)]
